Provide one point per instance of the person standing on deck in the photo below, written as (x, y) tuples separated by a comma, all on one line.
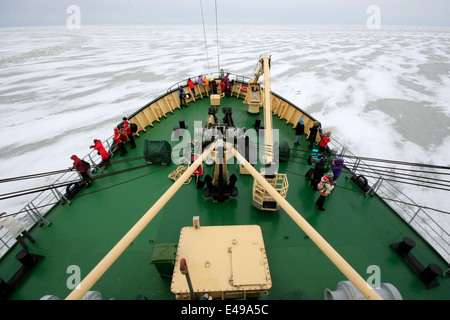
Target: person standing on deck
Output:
[(182, 96), (127, 129), (229, 88), (325, 187), (82, 167), (319, 171), (120, 141), (313, 133), (206, 81), (98, 145), (299, 130), (312, 161), (337, 166), (15, 229), (324, 140), (191, 86), (214, 86), (201, 83), (222, 85), (198, 173)]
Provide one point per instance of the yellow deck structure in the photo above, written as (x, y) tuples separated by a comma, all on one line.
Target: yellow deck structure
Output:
[(226, 262)]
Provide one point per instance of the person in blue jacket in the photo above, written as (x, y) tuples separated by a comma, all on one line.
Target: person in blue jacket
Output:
[(312, 160)]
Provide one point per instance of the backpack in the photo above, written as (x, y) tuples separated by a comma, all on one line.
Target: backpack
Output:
[(133, 127), (86, 165)]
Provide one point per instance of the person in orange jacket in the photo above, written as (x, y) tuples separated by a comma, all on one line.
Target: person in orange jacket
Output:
[(103, 153)]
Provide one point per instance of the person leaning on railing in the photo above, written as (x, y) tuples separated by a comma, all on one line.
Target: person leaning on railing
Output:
[(16, 229)]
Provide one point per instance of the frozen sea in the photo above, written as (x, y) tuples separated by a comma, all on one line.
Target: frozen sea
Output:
[(382, 93)]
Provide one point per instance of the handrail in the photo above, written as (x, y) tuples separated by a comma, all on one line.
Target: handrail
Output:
[(323, 245), (34, 211), (412, 213), (216, 75), (120, 247)]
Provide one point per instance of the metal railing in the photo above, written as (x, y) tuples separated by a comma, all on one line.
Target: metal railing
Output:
[(216, 75), (34, 212), (415, 215)]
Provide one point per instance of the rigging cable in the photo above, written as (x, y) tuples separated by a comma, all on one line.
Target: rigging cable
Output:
[(105, 188), (204, 35), (382, 173), (217, 39)]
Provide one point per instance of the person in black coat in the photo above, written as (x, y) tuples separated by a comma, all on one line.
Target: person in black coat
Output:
[(313, 133), (299, 130), (319, 171)]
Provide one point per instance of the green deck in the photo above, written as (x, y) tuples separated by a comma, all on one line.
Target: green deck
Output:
[(360, 228)]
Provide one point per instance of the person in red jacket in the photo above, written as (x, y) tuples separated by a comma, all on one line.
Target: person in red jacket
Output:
[(198, 173), (324, 139), (127, 129), (98, 145), (191, 86), (222, 86), (82, 167), (120, 139)]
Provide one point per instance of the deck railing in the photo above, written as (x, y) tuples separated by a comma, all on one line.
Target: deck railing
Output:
[(33, 214), (417, 216)]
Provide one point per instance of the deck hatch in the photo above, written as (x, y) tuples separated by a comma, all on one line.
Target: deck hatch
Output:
[(248, 267), (223, 261)]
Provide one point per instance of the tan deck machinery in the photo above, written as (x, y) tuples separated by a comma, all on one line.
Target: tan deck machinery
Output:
[(225, 262)]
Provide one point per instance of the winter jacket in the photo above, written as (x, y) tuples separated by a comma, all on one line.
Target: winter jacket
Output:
[(214, 86), (319, 170), (327, 186), (190, 84), (314, 158), (78, 164), (101, 149), (14, 227), (337, 168), (119, 137), (299, 129), (313, 133), (324, 139), (126, 126), (199, 171), (200, 80)]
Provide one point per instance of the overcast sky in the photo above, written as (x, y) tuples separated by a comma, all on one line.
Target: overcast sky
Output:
[(145, 12)]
